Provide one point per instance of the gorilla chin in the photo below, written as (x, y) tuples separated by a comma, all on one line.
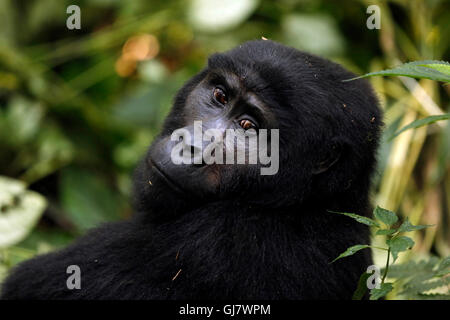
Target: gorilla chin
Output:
[(206, 230)]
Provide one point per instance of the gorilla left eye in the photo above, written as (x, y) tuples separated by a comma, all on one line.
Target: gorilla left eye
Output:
[(247, 124), (220, 96)]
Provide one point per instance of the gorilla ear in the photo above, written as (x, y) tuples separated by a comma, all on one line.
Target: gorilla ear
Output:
[(332, 155)]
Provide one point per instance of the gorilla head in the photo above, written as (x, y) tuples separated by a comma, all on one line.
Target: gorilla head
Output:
[(328, 134)]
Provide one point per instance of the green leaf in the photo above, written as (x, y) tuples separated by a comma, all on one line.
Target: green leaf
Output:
[(445, 263), (444, 268), (399, 244), (360, 219), (419, 277), (385, 288), (444, 68), (433, 296), (426, 285), (362, 286), (428, 69), (412, 268), (351, 251), (384, 232), (385, 216), (407, 226), (420, 123)]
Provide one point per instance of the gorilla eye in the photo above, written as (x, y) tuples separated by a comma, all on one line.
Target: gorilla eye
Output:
[(247, 124), (220, 96)]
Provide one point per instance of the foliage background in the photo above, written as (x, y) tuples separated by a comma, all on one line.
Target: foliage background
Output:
[(78, 108)]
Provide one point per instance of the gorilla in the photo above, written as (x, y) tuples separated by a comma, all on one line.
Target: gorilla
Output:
[(227, 231)]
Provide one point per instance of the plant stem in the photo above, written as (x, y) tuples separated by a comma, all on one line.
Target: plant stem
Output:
[(387, 266), (380, 248)]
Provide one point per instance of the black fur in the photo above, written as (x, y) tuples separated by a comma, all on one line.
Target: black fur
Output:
[(262, 237)]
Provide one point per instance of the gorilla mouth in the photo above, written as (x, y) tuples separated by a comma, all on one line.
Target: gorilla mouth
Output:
[(167, 179)]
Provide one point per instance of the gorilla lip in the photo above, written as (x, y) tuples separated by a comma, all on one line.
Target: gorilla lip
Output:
[(169, 182)]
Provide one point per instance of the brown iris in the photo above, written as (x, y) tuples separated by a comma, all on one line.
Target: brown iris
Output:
[(247, 124), (220, 96)]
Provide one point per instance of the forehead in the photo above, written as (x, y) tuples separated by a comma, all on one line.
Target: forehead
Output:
[(240, 70), (233, 83)]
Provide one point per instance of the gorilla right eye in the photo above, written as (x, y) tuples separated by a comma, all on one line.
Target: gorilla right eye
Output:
[(220, 96)]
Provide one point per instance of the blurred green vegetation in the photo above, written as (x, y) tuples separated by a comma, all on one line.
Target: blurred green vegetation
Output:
[(78, 108)]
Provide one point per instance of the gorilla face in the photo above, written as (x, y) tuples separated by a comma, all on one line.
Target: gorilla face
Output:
[(328, 131), (224, 105)]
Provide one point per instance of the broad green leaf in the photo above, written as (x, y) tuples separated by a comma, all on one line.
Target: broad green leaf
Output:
[(362, 286), (360, 219), (433, 296), (20, 211), (384, 232), (407, 226), (420, 123), (444, 68), (445, 263), (399, 244), (412, 268), (351, 251), (385, 288), (419, 277), (385, 216), (444, 267), (428, 69), (423, 286)]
